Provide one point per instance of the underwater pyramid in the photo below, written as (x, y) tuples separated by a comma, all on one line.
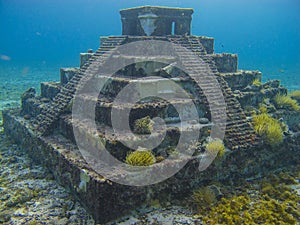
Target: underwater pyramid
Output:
[(78, 129)]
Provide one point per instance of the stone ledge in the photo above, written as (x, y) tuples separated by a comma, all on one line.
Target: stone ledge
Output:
[(66, 74), (208, 43), (242, 78), (103, 199), (226, 62), (50, 89)]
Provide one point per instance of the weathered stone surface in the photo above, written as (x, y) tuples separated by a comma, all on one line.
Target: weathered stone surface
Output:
[(107, 200), (50, 89), (291, 118), (225, 62), (84, 57), (29, 104), (254, 97), (66, 74), (156, 21), (30, 93), (241, 79), (208, 44)]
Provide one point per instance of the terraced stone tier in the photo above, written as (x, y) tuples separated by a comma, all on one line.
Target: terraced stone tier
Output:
[(225, 62), (241, 79), (50, 89), (153, 108), (114, 142), (239, 133), (45, 121), (107, 200)]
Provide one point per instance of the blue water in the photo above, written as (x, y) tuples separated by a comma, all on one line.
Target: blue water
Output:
[(38, 37)]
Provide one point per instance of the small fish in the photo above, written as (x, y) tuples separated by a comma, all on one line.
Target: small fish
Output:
[(5, 57), (281, 71), (38, 33)]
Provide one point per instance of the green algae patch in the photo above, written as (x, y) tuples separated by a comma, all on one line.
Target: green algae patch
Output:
[(256, 82), (140, 157), (268, 128), (143, 125), (295, 95), (216, 147), (203, 198), (286, 102), (270, 200)]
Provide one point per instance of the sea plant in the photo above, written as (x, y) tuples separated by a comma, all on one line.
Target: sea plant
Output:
[(295, 95), (34, 222), (140, 157), (143, 125), (215, 147), (241, 210), (269, 128), (256, 82), (263, 108), (268, 201), (202, 199), (286, 102)]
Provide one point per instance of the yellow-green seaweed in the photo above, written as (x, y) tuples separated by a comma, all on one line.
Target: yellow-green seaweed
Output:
[(295, 95), (256, 82), (267, 201), (269, 128), (202, 199), (216, 147), (286, 102), (140, 157), (143, 125)]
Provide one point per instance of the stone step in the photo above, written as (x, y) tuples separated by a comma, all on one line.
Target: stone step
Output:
[(61, 100), (113, 142), (239, 129), (152, 108)]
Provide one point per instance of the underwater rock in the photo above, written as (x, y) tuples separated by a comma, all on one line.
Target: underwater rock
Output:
[(27, 117), (272, 84), (204, 121), (30, 93)]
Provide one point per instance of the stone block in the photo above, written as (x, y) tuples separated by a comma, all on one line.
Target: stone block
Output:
[(241, 79), (103, 39), (50, 89), (156, 21), (208, 44), (66, 74), (84, 57), (226, 62)]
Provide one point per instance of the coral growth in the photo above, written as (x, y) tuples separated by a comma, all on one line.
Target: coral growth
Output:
[(216, 147), (34, 222), (202, 199), (143, 125), (140, 157), (240, 210), (256, 82), (269, 128), (263, 109), (286, 102), (269, 201)]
